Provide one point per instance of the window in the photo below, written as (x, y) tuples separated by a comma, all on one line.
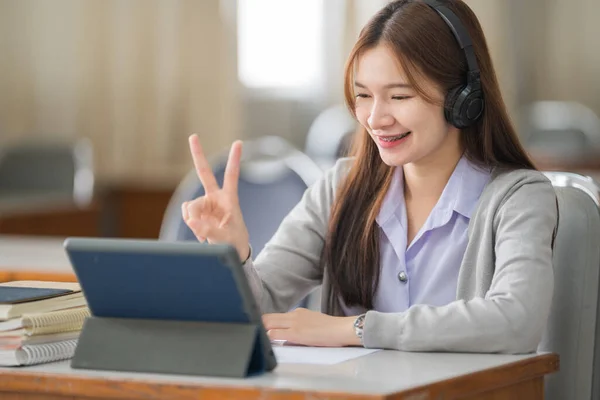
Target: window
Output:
[(279, 43)]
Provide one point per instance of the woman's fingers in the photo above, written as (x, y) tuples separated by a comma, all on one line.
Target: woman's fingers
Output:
[(192, 216), (206, 226), (203, 168), (277, 321), (196, 208), (184, 211), (280, 335), (217, 216), (207, 229), (232, 170), (201, 230)]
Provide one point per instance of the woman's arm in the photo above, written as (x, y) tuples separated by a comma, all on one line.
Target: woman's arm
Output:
[(289, 267), (512, 316)]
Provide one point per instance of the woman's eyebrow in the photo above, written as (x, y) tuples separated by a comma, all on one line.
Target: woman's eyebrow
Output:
[(388, 86)]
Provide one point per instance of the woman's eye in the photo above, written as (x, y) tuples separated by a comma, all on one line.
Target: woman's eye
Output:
[(400, 97), (362, 95)]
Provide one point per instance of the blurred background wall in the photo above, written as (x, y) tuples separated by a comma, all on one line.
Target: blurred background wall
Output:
[(568, 65), (136, 77)]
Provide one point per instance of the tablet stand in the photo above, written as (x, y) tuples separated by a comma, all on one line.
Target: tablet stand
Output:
[(172, 347)]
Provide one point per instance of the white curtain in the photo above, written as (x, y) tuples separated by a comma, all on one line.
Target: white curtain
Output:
[(136, 77)]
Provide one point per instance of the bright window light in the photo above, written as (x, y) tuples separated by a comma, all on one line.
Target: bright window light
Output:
[(279, 42)]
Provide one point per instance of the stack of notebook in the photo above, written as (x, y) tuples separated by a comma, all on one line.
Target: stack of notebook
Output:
[(39, 321)]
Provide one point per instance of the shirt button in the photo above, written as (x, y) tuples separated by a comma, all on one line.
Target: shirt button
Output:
[(402, 277)]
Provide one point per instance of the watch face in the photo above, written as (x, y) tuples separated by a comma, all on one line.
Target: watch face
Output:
[(360, 321), (358, 326)]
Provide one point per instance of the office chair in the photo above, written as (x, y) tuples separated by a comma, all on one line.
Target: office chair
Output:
[(273, 177), (329, 135), (561, 129), (573, 323), (47, 170)]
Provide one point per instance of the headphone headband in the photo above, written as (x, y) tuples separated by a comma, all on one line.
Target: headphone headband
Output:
[(465, 104), (458, 30)]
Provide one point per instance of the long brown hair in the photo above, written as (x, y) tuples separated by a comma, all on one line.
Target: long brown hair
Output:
[(424, 46)]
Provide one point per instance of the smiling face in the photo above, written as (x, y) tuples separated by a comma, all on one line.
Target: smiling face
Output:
[(406, 127)]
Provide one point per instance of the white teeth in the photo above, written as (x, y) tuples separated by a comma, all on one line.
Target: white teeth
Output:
[(394, 138)]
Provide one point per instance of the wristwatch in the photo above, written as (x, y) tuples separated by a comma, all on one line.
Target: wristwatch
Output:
[(359, 324)]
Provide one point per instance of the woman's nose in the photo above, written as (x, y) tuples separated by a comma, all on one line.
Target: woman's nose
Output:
[(379, 117)]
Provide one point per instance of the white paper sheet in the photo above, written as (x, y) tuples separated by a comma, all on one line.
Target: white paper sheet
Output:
[(318, 355)]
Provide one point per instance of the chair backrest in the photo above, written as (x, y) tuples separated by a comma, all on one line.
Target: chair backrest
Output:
[(329, 135), (45, 168), (574, 318), (273, 177), (563, 129)]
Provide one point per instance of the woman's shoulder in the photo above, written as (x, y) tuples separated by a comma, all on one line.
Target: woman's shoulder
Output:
[(321, 193), (342, 166), (336, 173), (523, 188), (517, 199), (506, 181)]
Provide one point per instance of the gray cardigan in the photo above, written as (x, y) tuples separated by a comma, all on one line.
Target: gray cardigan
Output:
[(505, 281)]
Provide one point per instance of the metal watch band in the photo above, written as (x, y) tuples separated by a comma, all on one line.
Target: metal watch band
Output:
[(359, 325)]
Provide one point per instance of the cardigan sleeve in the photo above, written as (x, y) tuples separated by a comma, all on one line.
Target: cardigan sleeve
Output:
[(289, 267)]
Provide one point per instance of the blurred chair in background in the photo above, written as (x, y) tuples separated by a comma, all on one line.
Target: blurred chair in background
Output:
[(561, 130), (329, 135), (573, 329), (273, 177), (47, 171)]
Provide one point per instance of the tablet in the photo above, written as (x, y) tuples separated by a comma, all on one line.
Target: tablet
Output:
[(181, 281)]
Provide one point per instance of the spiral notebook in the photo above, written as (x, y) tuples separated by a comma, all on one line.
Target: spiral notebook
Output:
[(68, 320), (15, 342), (38, 354), (71, 297)]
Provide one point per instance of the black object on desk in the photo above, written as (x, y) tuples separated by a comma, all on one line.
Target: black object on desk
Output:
[(21, 294)]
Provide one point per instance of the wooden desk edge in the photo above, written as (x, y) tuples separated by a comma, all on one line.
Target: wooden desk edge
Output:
[(481, 381), (23, 381), (14, 274)]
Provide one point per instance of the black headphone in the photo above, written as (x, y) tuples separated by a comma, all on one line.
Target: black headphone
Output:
[(464, 104)]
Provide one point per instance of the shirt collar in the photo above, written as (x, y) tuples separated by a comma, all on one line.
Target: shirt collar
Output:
[(393, 199), (461, 193)]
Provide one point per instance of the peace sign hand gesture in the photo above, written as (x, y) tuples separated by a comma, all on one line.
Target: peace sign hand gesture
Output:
[(217, 216)]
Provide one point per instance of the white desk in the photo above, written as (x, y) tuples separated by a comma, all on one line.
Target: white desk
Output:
[(25, 258), (385, 374)]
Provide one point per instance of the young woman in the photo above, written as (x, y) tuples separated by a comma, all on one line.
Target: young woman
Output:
[(437, 234)]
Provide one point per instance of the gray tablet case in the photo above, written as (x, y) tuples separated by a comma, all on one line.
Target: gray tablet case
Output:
[(180, 308)]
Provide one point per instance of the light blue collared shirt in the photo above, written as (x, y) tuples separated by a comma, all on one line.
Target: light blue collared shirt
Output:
[(426, 271)]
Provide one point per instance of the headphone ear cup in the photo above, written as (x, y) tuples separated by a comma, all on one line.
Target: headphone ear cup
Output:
[(463, 107), (450, 105)]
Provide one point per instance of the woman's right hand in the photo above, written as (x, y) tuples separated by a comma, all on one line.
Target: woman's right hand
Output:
[(217, 216)]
